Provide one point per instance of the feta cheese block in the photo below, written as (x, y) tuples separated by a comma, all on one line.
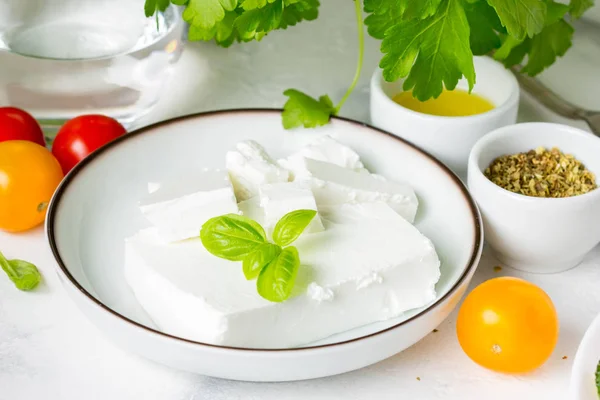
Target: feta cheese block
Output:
[(250, 166), (334, 185), (251, 208), (178, 209), (278, 199), (325, 148), (369, 264)]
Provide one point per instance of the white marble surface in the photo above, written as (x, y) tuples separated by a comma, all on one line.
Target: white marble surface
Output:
[(48, 350)]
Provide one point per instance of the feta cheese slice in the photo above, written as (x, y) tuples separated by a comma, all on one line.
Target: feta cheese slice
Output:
[(334, 185), (179, 209), (369, 264), (325, 148), (278, 199), (250, 166)]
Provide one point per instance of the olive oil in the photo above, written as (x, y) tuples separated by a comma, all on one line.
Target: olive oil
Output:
[(451, 103)]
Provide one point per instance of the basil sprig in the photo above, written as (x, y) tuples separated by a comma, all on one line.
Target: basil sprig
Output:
[(238, 238), (24, 274)]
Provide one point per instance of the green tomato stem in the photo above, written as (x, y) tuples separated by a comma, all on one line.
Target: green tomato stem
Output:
[(361, 50)]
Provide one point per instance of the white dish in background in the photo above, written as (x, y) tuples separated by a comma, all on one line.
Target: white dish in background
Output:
[(583, 375), (450, 139), (96, 207), (534, 234)]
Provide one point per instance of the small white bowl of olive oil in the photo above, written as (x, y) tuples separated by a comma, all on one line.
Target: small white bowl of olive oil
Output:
[(449, 126)]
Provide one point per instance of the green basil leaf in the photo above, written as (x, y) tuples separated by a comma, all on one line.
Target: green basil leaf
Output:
[(24, 274), (276, 280), (598, 378), (232, 236), (291, 225), (259, 258)]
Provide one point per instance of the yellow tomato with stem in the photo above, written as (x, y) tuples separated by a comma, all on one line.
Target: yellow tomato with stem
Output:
[(508, 325), (29, 174)]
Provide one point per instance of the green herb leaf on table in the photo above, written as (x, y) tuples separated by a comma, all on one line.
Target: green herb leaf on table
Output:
[(598, 378), (432, 53), (276, 280), (232, 236), (24, 274), (578, 7), (291, 226), (254, 262)]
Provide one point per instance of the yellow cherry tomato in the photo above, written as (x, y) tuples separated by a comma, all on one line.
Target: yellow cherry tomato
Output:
[(508, 325), (29, 174)]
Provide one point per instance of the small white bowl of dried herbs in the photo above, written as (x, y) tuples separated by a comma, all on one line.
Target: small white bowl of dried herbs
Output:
[(535, 184)]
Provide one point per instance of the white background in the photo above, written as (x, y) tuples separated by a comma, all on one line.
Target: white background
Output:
[(48, 350)]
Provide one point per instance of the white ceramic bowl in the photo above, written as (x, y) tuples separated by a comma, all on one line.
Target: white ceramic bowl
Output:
[(530, 233), (95, 208), (450, 139), (583, 379)]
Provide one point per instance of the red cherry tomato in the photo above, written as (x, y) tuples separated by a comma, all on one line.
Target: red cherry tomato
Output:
[(16, 124), (81, 136)]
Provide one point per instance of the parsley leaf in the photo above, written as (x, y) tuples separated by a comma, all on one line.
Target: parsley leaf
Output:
[(421, 8), (223, 32), (485, 25), (151, 6), (552, 42), (383, 15), (256, 23), (578, 7), (507, 48), (299, 10), (543, 49), (521, 17), (556, 11), (430, 51), (253, 4), (206, 13), (303, 110)]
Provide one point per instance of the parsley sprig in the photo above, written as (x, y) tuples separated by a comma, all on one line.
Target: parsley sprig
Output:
[(428, 43), (303, 110), (238, 238)]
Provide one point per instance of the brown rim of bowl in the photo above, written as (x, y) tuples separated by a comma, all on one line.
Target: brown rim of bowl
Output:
[(54, 205)]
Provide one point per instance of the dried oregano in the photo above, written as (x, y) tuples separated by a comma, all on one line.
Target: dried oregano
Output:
[(541, 173)]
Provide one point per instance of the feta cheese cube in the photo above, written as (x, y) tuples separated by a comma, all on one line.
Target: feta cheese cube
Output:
[(179, 209), (278, 199), (334, 185), (250, 166), (325, 148)]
